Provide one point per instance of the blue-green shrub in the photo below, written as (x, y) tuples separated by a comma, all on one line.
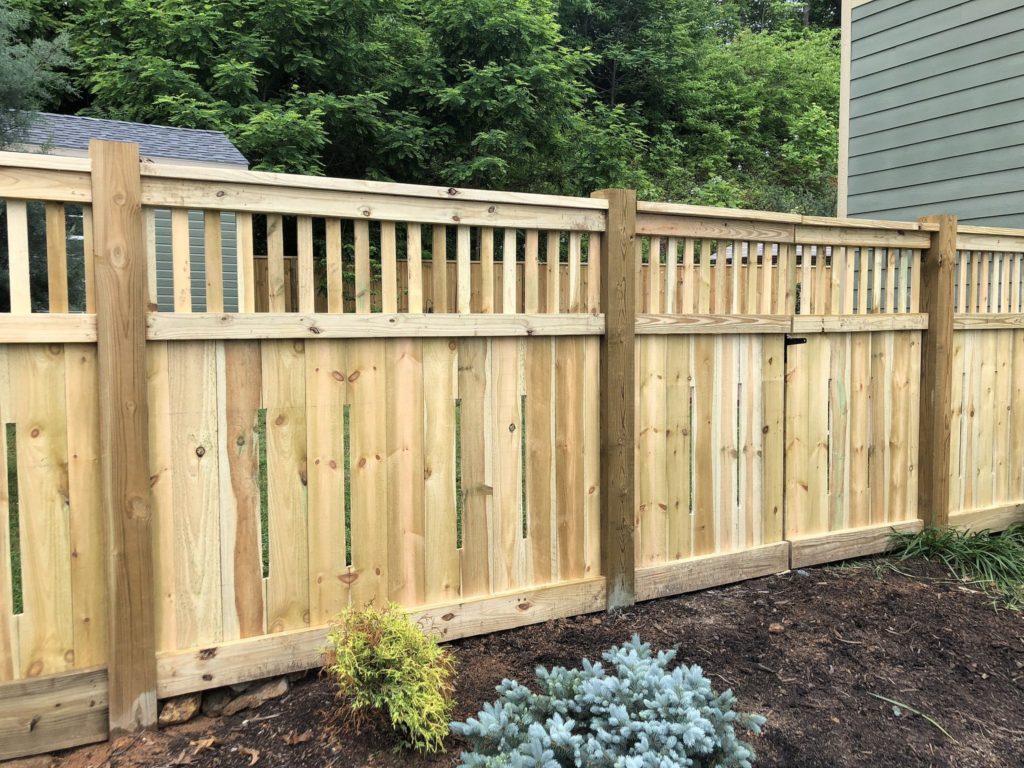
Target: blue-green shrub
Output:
[(637, 713)]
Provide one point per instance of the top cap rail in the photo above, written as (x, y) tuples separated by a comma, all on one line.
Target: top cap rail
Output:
[(709, 212)]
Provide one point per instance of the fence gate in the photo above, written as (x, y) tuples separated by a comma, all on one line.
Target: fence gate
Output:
[(777, 400), (852, 395)]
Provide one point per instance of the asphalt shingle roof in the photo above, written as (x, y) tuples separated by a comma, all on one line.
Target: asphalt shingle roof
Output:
[(73, 132)]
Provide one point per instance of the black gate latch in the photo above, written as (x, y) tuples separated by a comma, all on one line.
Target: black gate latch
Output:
[(791, 340)]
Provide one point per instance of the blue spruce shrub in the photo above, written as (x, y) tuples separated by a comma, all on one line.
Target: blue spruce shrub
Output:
[(637, 713)]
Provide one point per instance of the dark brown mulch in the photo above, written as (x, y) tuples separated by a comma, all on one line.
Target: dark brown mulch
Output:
[(846, 633)]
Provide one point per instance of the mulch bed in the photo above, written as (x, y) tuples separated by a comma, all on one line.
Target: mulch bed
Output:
[(806, 649)]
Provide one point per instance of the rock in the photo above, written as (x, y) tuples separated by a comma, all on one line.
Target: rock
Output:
[(251, 699), (214, 701), (180, 709), (776, 629)]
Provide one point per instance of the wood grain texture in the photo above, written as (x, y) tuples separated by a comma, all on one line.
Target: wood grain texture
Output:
[(196, 546), (298, 201), (708, 571), (368, 425), (88, 537), (47, 328), (994, 519), (326, 385), (440, 376), (239, 400), (279, 654), (476, 445), (284, 397), (38, 409), (180, 327), (56, 258), (647, 324), (842, 545), (55, 712), (933, 460), (618, 379), (407, 556), (19, 283), (214, 261), (120, 274), (245, 272)]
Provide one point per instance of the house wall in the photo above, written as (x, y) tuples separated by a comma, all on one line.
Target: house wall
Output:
[(936, 110), (164, 272)]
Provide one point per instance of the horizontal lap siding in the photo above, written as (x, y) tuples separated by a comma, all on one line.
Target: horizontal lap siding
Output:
[(164, 277), (937, 110)]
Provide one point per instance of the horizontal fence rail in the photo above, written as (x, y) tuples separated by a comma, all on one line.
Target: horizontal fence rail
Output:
[(492, 408)]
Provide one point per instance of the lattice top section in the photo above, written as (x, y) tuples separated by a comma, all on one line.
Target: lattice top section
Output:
[(989, 271), (709, 260)]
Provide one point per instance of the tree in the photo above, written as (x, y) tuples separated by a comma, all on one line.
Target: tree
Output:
[(30, 73), (712, 101)]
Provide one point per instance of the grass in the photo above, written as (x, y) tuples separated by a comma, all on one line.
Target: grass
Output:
[(13, 519), (993, 562), (261, 441)]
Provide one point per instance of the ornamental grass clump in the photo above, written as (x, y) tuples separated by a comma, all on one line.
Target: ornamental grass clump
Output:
[(637, 713), (994, 562), (384, 663)]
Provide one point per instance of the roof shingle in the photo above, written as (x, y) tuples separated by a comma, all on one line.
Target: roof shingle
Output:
[(74, 132)]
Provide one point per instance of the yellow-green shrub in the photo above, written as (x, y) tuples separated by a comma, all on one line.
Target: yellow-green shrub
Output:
[(384, 662)]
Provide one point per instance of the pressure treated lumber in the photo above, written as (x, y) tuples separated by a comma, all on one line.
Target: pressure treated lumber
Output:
[(45, 714), (989, 518), (933, 458), (842, 545), (278, 654), (120, 264), (704, 572), (618, 372), (166, 326)]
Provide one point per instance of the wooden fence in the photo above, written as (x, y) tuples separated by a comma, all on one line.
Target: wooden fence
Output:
[(986, 470), (493, 408)]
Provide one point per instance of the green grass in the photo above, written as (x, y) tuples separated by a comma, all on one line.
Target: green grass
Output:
[(460, 501), (522, 463), (260, 432), (13, 518), (994, 562), (347, 480)]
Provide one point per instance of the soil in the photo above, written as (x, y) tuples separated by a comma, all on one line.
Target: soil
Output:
[(810, 650)]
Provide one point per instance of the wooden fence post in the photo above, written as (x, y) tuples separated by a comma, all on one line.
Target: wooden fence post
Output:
[(933, 455), (120, 280), (618, 383)]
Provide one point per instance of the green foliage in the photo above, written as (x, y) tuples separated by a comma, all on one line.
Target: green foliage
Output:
[(37, 257), (714, 101), (994, 562), (383, 662), (640, 712), (30, 72)]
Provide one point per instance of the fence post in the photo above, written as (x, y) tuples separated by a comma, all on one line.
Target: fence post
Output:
[(937, 264), (120, 280), (618, 382)]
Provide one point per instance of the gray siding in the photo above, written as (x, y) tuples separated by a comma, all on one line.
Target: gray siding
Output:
[(937, 110), (164, 273)]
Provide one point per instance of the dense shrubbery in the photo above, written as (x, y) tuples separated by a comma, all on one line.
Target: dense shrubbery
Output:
[(637, 713), (383, 662), (700, 101)]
